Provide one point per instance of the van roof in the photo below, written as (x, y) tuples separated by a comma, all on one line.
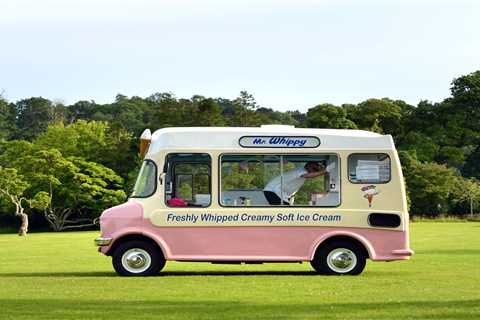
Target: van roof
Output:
[(204, 138)]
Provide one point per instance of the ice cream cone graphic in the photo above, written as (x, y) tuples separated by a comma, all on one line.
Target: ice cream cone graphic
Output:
[(369, 198), (369, 192)]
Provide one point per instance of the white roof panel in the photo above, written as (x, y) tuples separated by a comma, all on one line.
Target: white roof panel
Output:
[(206, 138)]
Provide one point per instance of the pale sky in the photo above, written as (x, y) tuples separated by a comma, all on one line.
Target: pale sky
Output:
[(288, 54)]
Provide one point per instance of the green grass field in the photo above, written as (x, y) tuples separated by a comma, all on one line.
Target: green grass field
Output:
[(61, 276)]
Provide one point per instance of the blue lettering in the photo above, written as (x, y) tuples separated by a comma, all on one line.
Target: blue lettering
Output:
[(277, 141), (274, 140), (258, 141), (287, 142)]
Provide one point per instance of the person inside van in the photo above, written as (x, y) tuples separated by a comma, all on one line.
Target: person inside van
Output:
[(293, 180)]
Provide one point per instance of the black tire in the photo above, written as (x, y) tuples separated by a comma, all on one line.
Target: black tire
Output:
[(154, 260), (320, 261)]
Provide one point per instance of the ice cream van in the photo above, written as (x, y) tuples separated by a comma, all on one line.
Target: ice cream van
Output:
[(334, 198)]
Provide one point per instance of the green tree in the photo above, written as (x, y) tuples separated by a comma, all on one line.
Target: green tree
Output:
[(267, 115), (472, 164), (12, 187), (380, 115), (208, 113), (466, 99), (452, 156), (244, 111), (430, 186), (185, 191), (128, 114), (467, 190), (164, 110), (34, 115), (94, 186), (78, 190), (81, 110), (95, 141), (7, 120), (299, 117), (447, 129), (328, 116), (424, 147), (426, 119), (12, 151), (234, 177)]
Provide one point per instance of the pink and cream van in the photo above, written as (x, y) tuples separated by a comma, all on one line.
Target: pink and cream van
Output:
[(271, 194)]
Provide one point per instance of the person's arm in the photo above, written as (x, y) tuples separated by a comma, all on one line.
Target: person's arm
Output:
[(314, 174)]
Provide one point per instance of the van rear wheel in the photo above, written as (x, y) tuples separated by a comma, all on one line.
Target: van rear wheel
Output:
[(339, 258), (137, 258)]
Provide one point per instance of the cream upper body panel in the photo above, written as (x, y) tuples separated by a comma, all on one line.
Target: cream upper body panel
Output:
[(353, 209)]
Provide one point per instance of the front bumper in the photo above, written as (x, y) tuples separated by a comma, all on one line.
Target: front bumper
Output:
[(103, 241)]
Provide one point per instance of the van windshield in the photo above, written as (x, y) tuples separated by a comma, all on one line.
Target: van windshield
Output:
[(146, 181)]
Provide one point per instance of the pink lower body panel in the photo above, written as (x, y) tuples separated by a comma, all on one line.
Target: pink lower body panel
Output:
[(249, 243), (273, 243)]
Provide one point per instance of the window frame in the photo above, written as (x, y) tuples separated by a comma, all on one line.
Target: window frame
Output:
[(219, 172), (209, 165), (154, 181), (369, 154)]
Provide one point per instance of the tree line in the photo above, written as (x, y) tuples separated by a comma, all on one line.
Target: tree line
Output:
[(61, 165)]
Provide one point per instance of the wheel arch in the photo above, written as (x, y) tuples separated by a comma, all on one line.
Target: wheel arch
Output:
[(345, 236), (138, 236)]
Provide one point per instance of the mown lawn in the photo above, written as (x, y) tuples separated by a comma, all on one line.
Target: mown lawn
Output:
[(61, 276)]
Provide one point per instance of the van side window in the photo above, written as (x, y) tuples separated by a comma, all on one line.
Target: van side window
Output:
[(145, 185), (369, 168), (280, 180), (188, 180)]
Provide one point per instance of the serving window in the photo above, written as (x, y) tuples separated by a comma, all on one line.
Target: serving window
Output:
[(279, 180), (188, 180), (369, 168)]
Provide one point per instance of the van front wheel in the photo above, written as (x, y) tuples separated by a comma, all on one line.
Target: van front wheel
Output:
[(339, 258), (137, 258)]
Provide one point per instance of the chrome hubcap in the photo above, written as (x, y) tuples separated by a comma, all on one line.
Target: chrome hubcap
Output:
[(136, 260), (341, 260)]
